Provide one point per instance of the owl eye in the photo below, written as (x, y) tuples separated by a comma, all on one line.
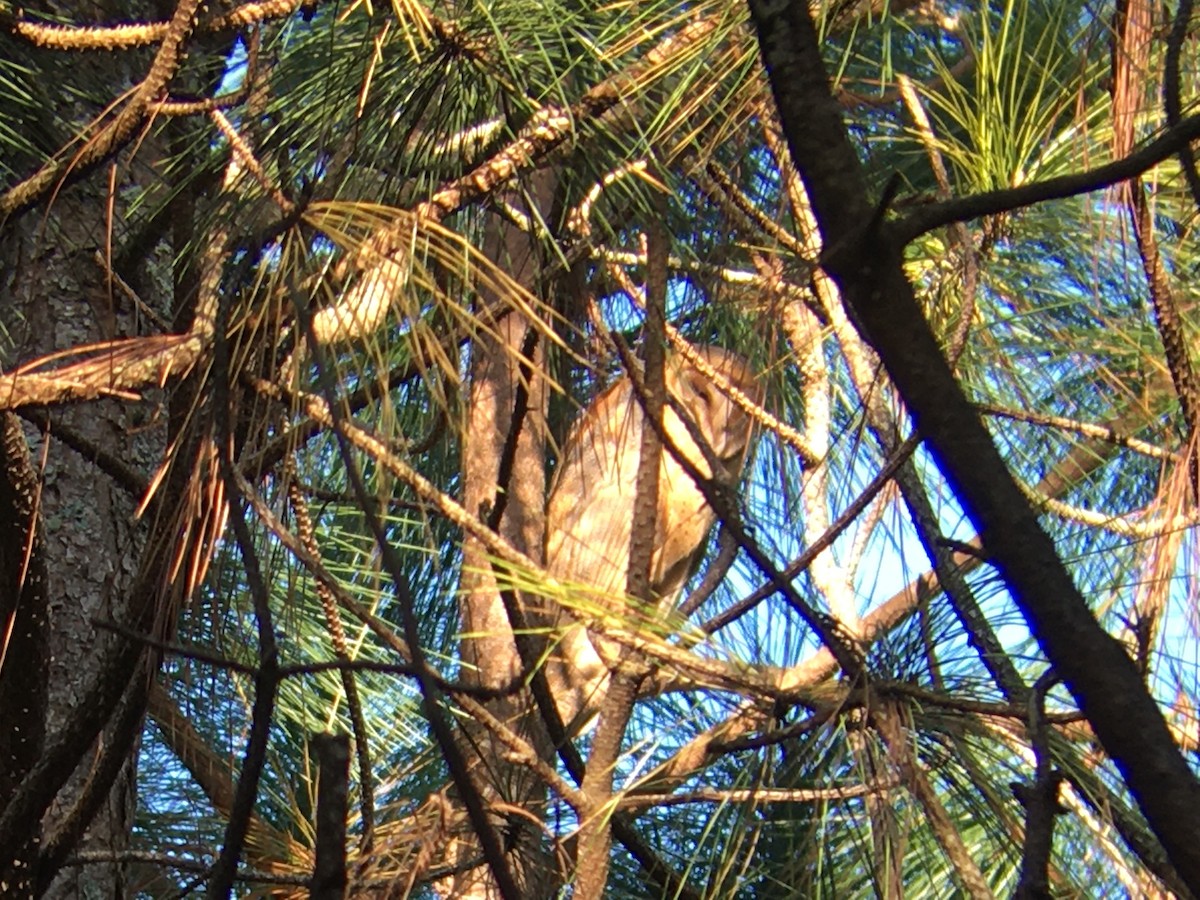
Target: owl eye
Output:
[(705, 394), (706, 406)]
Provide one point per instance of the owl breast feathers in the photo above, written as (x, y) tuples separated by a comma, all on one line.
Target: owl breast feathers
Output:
[(590, 513)]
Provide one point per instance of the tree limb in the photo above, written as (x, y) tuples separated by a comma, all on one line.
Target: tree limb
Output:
[(865, 260)]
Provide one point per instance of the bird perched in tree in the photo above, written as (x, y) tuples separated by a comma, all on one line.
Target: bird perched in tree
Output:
[(590, 514)]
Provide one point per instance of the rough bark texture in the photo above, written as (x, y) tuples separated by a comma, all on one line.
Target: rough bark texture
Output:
[(864, 259), (91, 544), (24, 634), (54, 295)]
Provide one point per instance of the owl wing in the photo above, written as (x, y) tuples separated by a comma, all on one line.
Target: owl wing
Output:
[(588, 524), (590, 513), (589, 516), (588, 547)]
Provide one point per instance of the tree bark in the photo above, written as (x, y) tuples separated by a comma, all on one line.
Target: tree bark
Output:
[(24, 638), (91, 540), (489, 651), (54, 295)]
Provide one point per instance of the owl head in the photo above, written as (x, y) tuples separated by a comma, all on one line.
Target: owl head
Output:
[(725, 425)]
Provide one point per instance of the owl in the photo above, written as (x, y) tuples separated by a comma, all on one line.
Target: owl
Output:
[(590, 513)]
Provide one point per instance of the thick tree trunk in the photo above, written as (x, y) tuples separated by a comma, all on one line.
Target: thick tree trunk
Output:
[(54, 295), (489, 652), (91, 544)]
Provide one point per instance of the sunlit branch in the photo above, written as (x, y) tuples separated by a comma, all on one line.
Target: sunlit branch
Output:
[(1086, 429), (755, 796), (719, 185), (579, 218), (121, 127), (53, 36), (769, 422), (548, 129), (1126, 525), (317, 409), (725, 274), (806, 337), (250, 162)]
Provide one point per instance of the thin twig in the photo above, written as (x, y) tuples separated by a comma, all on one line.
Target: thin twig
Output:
[(757, 795), (1172, 103), (967, 874), (266, 682), (1086, 429), (1039, 798), (852, 511), (121, 128)]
